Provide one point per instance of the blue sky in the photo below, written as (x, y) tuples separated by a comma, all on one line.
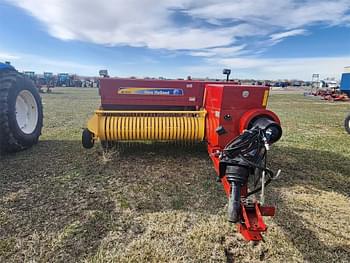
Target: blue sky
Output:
[(263, 39)]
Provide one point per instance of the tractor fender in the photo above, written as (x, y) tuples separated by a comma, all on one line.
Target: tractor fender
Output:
[(253, 114), (4, 66)]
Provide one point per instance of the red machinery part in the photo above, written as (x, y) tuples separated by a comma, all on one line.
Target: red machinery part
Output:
[(251, 115), (149, 94), (231, 109), (254, 222), (226, 105)]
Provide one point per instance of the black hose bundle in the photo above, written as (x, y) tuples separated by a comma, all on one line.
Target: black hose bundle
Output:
[(247, 151)]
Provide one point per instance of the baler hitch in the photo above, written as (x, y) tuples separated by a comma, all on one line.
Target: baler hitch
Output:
[(242, 158)]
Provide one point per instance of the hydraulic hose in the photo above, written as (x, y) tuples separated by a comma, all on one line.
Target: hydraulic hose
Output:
[(243, 156)]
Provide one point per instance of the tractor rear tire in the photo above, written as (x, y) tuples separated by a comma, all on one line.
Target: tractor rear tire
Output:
[(21, 112), (347, 123)]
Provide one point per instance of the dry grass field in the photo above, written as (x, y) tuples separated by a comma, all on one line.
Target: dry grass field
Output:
[(160, 202)]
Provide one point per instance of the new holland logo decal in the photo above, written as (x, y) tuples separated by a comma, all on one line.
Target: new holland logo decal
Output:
[(151, 91)]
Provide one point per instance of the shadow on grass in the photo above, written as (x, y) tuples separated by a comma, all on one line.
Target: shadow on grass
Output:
[(51, 212), (322, 170), (305, 240), (326, 171), (68, 195), (170, 177), (60, 200)]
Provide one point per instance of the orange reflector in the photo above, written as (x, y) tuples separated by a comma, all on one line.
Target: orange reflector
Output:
[(266, 96)]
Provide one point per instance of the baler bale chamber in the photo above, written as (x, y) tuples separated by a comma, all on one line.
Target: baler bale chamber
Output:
[(231, 119)]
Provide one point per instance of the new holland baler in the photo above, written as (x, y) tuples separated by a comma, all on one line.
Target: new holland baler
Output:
[(231, 119)]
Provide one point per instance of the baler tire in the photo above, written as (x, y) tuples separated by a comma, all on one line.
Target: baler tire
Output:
[(347, 123), (20, 104), (87, 139)]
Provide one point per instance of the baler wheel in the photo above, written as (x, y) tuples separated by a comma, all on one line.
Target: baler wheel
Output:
[(347, 123), (87, 139), (21, 112)]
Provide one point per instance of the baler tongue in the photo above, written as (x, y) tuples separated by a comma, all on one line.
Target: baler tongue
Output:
[(232, 119), (242, 158), (253, 223)]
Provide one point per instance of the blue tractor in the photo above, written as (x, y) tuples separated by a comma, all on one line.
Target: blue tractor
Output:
[(21, 112), (64, 80), (345, 88), (345, 83), (47, 80)]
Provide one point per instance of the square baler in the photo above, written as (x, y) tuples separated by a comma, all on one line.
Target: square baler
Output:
[(231, 119)]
